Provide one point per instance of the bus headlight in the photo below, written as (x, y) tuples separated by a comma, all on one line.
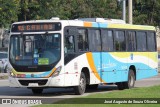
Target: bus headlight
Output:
[(57, 71)]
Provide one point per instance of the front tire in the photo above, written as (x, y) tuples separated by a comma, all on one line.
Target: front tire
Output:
[(80, 89)]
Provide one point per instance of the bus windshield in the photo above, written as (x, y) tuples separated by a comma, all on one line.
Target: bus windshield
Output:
[(34, 49)]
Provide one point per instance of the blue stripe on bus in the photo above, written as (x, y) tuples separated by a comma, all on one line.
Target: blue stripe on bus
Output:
[(103, 25), (100, 25), (95, 25)]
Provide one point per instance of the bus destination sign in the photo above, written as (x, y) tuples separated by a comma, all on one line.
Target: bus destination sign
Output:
[(36, 27)]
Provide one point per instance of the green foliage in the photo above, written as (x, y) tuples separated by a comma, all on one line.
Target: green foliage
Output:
[(9, 10), (147, 12), (144, 11)]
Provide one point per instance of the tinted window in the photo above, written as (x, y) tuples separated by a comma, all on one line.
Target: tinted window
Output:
[(28, 50), (119, 41), (3, 55), (131, 41), (141, 41), (82, 40), (69, 44), (107, 40), (95, 40), (151, 43)]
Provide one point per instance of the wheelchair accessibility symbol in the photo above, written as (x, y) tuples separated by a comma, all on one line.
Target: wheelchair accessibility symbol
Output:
[(36, 61)]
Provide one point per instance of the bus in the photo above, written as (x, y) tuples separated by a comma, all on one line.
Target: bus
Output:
[(80, 54)]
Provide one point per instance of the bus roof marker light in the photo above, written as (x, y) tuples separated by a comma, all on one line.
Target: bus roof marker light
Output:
[(55, 18)]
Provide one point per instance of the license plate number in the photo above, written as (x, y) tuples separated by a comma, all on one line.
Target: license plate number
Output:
[(33, 84)]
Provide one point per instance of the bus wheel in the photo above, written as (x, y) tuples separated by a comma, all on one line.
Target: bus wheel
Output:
[(37, 91), (131, 80), (80, 89)]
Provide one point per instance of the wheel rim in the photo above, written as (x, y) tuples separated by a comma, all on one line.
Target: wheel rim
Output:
[(82, 83), (131, 81)]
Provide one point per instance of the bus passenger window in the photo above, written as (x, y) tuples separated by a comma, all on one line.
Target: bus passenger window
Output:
[(141, 41), (95, 39), (82, 40), (107, 41), (131, 42), (151, 41), (69, 44), (119, 41)]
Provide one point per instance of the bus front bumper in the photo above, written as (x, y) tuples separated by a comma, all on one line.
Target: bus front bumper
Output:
[(36, 82)]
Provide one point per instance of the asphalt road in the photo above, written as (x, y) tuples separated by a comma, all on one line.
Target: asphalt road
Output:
[(9, 92)]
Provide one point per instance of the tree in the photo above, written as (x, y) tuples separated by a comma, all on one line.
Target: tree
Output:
[(147, 12), (9, 10), (144, 11)]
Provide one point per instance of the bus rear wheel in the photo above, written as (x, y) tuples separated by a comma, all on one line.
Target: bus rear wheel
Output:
[(131, 80), (37, 91), (80, 89), (128, 84)]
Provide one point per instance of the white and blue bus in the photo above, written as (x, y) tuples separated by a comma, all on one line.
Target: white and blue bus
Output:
[(80, 53)]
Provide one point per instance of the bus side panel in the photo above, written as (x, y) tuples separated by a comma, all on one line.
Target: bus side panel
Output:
[(111, 67), (90, 64), (146, 64), (114, 66), (94, 63), (74, 68), (107, 68), (71, 74)]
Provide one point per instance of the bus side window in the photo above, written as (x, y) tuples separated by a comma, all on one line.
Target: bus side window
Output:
[(95, 39), (131, 42), (141, 41), (69, 44), (82, 40), (119, 41), (151, 41), (107, 40)]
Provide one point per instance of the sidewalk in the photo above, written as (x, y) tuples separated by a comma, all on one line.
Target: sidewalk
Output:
[(3, 76)]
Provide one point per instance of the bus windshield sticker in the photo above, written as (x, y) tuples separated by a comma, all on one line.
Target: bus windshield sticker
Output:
[(35, 61), (43, 61)]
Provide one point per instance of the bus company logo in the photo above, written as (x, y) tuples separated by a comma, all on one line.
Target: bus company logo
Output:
[(32, 75), (131, 56), (6, 101)]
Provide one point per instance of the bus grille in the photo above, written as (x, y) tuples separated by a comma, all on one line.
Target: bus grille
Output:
[(26, 82)]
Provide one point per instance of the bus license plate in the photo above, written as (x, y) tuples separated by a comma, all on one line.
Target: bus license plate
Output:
[(33, 84)]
